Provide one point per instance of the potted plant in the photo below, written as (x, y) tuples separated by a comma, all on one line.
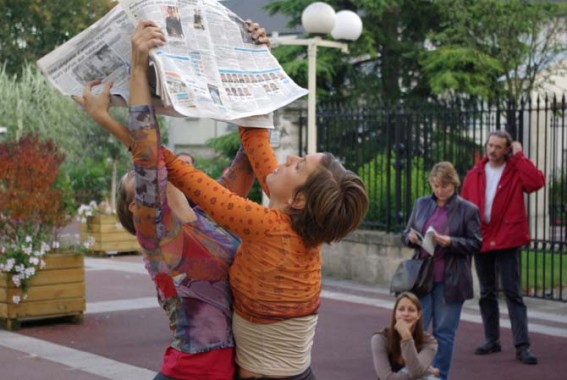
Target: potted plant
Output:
[(39, 277), (100, 225)]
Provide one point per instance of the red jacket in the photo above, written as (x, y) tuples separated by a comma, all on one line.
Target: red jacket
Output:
[(508, 226)]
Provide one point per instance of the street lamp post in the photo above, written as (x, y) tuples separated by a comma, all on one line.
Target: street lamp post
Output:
[(320, 19)]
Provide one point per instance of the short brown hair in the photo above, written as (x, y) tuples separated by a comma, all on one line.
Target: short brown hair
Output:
[(335, 204), (123, 200), (445, 173)]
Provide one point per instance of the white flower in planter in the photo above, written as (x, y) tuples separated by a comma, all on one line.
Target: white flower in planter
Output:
[(29, 272), (44, 248), (89, 242), (17, 280), (9, 265), (23, 257), (86, 211), (27, 249)]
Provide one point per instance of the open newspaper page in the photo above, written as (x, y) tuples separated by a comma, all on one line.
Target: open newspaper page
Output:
[(102, 51), (210, 66)]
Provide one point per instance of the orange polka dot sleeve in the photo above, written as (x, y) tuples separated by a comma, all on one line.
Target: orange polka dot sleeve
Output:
[(256, 143), (243, 217)]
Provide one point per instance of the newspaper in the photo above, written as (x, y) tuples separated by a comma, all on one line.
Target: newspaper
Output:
[(209, 67)]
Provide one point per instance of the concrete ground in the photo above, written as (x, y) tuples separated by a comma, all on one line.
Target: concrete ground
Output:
[(124, 334)]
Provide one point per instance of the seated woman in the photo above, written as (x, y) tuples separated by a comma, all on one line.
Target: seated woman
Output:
[(276, 274), (403, 351)]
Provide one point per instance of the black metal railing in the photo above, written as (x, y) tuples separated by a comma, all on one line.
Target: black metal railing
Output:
[(393, 149)]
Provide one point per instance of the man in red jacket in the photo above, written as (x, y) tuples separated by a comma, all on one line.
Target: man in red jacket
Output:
[(496, 184)]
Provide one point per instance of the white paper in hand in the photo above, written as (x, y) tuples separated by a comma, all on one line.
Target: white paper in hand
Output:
[(426, 242)]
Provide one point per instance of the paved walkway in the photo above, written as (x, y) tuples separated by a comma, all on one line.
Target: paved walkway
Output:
[(124, 334)]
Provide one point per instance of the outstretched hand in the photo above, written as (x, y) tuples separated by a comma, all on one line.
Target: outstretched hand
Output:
[(258, 33), (96, 106), (146, 37)]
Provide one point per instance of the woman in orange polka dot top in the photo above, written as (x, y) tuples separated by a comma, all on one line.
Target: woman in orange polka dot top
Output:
[(276, 274)]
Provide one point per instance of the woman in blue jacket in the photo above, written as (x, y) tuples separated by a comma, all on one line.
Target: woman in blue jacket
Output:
[(457, 237)]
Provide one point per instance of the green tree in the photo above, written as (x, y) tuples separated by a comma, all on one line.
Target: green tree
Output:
[(496, 49), (378, 176), (94, 159), (30, 29), (383, 65), (29, 104), (226, 147)]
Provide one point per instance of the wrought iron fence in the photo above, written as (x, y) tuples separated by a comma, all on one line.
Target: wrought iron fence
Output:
[(393, 149)]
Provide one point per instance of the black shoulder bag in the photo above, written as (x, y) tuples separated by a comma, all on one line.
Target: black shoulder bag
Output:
[(414, 275)]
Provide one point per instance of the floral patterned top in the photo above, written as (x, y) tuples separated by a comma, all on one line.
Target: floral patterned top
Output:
[(189, 263)]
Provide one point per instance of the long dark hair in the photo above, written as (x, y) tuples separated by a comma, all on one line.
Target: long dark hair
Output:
[(394, 338)]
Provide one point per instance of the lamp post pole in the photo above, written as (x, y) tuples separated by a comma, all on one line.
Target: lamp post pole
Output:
[(320, 19), (312, 45), (312, 96)]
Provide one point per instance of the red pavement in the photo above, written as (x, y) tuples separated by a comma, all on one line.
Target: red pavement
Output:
[(341, 351)]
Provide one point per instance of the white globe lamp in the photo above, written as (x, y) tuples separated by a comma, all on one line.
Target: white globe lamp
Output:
[(318, 18), (348, 26)]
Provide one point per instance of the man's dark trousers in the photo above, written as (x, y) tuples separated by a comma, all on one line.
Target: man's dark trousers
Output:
[(506, 265)]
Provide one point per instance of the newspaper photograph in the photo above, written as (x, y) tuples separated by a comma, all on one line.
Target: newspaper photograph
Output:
[(209, 67), (102, 51)]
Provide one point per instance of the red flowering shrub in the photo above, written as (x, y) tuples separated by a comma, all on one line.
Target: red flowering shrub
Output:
[(29, 199)]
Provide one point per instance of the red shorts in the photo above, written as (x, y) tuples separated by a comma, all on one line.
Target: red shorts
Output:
[(213, 365)]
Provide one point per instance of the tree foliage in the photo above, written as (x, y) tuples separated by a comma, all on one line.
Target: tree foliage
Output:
[(383, 65), (461, 70), (496, 49), (415, 49), (378, 174), (28, 104), (30, 29)]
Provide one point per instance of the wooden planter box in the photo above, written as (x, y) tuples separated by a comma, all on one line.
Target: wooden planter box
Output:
[(110, 237), (58, 290)]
